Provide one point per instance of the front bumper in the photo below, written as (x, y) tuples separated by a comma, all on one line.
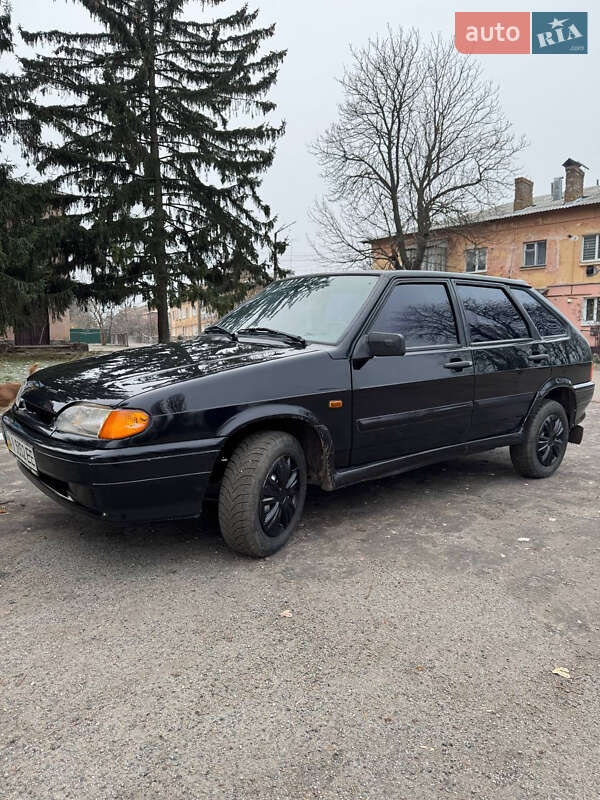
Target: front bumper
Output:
[(150, 482)]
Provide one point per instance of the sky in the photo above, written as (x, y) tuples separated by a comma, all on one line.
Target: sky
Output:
[(551, 99)]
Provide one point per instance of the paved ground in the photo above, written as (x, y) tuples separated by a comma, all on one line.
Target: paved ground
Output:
[(427, 614)]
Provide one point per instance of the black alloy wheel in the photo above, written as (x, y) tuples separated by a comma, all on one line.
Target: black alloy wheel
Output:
[(551, 440), (279, 496)]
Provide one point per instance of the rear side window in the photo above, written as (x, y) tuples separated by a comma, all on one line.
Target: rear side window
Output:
[(491, 314), (547, 323), (421, 312)]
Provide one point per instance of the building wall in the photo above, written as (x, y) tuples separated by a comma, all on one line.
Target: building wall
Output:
[(184, 321), (564, 275), (570, 299), (60, 329)]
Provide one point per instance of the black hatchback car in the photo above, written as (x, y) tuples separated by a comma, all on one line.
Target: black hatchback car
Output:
[(327, 379)]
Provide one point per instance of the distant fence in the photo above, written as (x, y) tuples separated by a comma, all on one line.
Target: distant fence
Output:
[(86, 335)]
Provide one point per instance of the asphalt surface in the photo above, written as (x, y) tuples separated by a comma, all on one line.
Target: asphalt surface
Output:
[(424, 616)]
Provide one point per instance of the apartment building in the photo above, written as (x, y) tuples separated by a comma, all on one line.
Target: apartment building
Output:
[(551, 241), (183, 320)]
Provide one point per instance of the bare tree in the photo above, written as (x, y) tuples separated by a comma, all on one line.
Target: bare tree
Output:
[(103, 313), (421, 143)]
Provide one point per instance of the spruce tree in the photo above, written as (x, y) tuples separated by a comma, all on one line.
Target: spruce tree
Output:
[(39, 248), (6, 81), (39, 244), (142, 132)]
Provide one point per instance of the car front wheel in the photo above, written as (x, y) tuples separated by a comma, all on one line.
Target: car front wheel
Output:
[(262, 493), (544, 444)]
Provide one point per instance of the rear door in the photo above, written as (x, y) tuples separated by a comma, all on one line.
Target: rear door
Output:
[(511, 362), (424, 399)]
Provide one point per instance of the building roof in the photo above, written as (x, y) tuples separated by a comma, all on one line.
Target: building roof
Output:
[(541, 204)]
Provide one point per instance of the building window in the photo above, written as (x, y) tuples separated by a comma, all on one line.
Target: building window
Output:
[(476, 259), (591, 311), (434, 258), (534, 254), (590, 247)]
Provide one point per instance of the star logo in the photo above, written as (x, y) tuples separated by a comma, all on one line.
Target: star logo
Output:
[(559, 32)]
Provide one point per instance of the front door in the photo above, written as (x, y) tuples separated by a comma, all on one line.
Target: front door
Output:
[(511, 363), (422, 400)]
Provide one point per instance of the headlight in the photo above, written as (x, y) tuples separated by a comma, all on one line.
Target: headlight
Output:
[(99, 422)]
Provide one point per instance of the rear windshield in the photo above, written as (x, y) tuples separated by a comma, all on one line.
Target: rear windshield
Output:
[(319, 308)]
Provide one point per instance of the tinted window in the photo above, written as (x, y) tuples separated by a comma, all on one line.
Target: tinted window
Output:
[(421, 312), (547, 323), (491, 315)]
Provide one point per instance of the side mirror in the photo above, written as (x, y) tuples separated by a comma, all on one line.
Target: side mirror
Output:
[(386, 344)]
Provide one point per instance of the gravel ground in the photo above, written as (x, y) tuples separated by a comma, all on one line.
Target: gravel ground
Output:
[(424, 617)]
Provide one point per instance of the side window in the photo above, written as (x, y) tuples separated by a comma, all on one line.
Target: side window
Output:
[(491, 315), (547, 323), (421, 312)]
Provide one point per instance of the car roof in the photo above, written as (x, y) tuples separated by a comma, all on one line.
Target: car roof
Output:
[(390, 274)]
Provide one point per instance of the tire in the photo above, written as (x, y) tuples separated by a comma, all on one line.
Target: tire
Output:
[(544, 444), (262, 468)]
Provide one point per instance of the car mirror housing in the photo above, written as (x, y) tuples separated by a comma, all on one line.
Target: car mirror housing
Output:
[(386, 344)]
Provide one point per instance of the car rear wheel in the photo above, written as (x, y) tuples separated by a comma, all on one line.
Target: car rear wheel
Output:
[(543, 448), (262, 493)]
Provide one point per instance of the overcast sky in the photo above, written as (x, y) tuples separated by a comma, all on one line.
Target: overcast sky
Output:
[(551, 99)]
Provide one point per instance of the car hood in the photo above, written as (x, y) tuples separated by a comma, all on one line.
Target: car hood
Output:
[(120, 376)]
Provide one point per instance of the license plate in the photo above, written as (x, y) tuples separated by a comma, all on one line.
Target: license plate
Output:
[(21, 450)]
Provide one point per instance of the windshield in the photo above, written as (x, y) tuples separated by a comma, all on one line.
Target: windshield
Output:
[(318, 308)]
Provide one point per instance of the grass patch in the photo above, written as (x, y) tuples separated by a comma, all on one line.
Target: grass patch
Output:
[(16, 367)]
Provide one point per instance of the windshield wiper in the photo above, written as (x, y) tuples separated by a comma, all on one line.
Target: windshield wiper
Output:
[(291, 337), (220, 329)]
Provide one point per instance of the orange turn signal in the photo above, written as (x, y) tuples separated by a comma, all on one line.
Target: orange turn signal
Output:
[(123, 423)]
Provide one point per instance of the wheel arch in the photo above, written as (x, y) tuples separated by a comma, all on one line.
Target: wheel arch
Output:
[(561, 390), (314, 437)]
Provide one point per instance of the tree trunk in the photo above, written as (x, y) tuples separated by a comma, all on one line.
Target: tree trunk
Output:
[(161, 298), (36, 330)]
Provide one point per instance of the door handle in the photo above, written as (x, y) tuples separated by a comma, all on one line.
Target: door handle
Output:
[(458, 364), (538, 357)]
